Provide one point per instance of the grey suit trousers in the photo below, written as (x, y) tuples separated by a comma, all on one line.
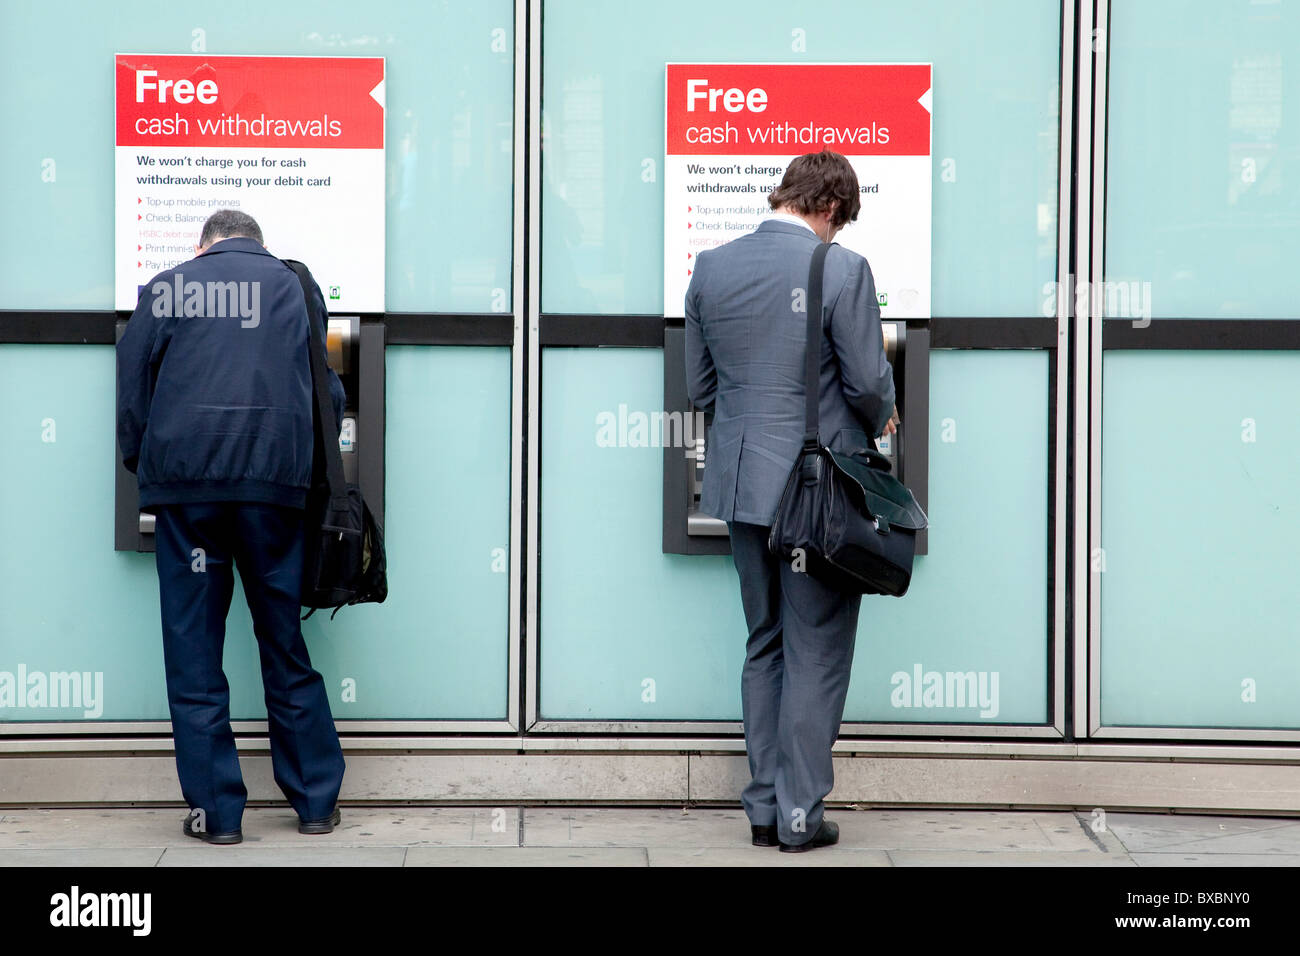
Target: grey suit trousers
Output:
[(795, 680)]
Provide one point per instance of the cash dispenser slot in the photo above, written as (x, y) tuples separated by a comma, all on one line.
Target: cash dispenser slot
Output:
[(687, 530), (355, 352)]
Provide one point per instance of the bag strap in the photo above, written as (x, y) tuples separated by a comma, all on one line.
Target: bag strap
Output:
[(320, 385), (813, 356)]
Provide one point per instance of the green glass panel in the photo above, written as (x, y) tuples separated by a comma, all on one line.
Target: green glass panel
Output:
[(616, 612), (1201, 219), (1199, 525), (449, 135), (438, 648), (996, 92)]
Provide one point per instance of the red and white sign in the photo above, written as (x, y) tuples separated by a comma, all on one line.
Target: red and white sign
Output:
[(731, 130), (295, 142)]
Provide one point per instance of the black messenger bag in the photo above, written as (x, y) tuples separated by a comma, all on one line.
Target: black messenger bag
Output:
[(343, 545), (846, 517)]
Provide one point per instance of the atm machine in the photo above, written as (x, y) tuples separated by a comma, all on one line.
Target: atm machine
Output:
[(688, 531), (356, 353)]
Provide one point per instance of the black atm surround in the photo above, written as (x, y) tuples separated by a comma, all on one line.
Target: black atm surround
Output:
[(360, 363), (685, 531)]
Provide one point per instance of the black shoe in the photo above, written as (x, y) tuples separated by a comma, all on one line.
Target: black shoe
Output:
[(764, 836), (220, 839), (827, 834), (326, 825)]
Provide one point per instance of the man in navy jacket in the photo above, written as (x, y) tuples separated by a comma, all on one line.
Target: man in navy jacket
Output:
[(214, 416)]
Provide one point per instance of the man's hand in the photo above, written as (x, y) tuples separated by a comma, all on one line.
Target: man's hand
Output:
[(891, 426)]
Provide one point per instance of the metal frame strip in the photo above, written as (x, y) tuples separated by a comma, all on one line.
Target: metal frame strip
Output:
[(533, 303), (1061, 398), (95, 728), (519, 409), (1081, 371), (916, 747), (848, 730), (1089, 428), (1197, 733)]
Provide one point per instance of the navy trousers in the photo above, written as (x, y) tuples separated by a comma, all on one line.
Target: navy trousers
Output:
[(198, 547), (795, 680)]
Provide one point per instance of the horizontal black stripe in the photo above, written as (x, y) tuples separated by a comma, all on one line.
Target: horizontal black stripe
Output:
[(51, 327), (948, 333), (445, 328), (57, 328), (612, 330), (1226, 334)]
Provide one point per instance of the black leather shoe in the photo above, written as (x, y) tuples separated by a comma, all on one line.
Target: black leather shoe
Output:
[(220, 839), (764, 836), (827, 834), (326, 825)]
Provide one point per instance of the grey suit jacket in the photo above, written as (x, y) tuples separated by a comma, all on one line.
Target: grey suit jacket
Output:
[(745, 335)]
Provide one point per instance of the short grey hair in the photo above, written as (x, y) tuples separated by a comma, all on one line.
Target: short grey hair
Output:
[(229, 224)]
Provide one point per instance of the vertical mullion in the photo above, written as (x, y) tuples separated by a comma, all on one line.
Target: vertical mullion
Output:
[(1061, 398), (1083, 685), (534, 304), (1096, 304), (518, 410)]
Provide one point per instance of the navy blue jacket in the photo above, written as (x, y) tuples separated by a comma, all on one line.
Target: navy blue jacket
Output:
[(214, 393)]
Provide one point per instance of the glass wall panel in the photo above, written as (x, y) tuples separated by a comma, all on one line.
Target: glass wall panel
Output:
[(1202, 217), (449, 90), (1199, 448), (631, 633), (1199, 532), (438, 648), (996, 88)]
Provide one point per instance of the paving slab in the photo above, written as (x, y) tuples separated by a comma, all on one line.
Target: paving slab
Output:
[(526, 856), (631, 836), (838, 855), (860, 829), (1216, 859), (998, 858), (415, 826), (961, 830), (82, 856), (1148, 833), (98, 827), (244, 855), (268, 826), (635, 827)]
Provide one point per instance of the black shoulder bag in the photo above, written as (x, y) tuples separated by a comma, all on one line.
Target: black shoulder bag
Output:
[(343, 546), (851, 522)]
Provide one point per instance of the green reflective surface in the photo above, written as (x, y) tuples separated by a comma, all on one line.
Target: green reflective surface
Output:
[(438, 648), (996, 88), (1202, 196), (1199, 532), (449, 92), (630, 633)]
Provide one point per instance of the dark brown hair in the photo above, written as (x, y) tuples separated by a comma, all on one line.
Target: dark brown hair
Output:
[(815, 180)]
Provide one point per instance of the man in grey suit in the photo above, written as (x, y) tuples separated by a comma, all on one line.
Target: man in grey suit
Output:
[(745, 345)]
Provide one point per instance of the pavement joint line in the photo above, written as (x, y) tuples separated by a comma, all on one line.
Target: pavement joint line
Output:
[(1041, 832), (1088, 831)]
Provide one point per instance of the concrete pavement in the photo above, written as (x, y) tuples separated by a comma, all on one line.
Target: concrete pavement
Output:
[(585, 836)]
